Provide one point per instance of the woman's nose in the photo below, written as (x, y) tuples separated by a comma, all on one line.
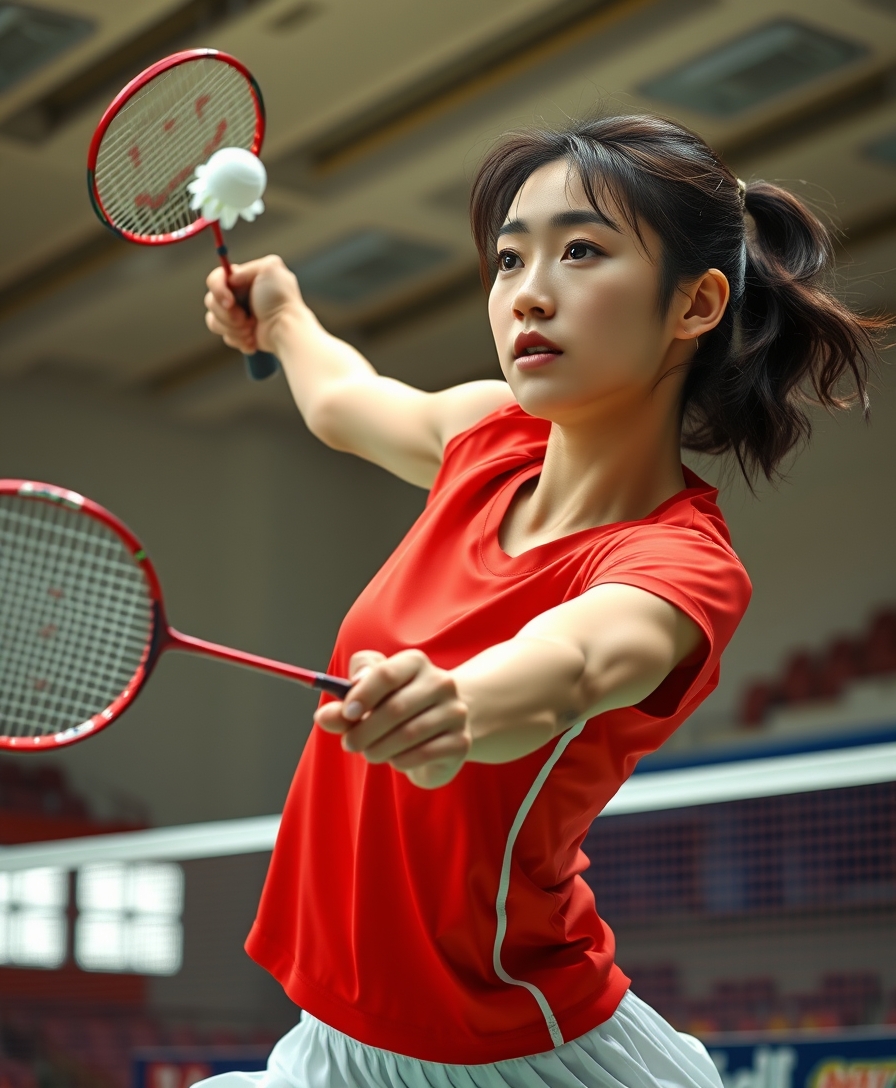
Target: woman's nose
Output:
[(533, 296)]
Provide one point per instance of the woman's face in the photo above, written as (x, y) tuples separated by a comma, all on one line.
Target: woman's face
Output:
[(586, 290)]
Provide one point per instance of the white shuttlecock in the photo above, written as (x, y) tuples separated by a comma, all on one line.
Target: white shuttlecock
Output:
[(228, 186)]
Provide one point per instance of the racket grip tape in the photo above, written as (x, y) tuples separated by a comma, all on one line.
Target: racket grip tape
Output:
[(332, 684), (261, 365)]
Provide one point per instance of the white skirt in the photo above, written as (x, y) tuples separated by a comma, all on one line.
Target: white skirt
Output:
[(635, 1048)]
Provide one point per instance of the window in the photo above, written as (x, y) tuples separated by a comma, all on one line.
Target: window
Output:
[(130, 918), (33, 917)]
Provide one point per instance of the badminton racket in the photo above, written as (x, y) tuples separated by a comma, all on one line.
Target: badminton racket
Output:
[(82, 620), (143, 156)]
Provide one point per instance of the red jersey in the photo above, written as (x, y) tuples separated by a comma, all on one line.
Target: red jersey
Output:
[(453, 925)]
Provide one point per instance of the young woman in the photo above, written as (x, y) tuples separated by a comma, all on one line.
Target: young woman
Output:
[(558, 609)]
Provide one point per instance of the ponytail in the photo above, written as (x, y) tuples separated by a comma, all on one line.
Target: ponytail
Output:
[(793, 343), (784, 342)]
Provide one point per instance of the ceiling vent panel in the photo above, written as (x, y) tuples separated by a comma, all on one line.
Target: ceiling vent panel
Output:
[(748, 71), (32, 37), (883, 150), (364, 266), (104, 76), (565, 38)]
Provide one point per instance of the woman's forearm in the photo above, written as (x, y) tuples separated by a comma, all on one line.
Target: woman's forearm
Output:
[(316, 364), (609, 648), (520, 694)]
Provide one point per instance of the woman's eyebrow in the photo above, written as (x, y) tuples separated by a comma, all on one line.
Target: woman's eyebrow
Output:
[(581, 217), (572, 218), (513, 226)]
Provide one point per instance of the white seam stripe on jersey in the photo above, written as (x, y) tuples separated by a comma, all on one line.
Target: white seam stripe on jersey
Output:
[(504, 883)]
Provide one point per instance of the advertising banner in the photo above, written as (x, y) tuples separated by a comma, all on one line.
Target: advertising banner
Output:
[(180, 1067), (863, 1058)]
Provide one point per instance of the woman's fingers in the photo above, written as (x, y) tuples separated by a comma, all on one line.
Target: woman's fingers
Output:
[(399, 741), (436, 763), (405, 711), (362, 661), (392, 692), (381, 680), (216, 281), (234, 337), (267, 286), (231, 323), (329, 716)]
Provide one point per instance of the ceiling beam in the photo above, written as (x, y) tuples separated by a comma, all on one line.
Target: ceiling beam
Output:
[(89, 255)]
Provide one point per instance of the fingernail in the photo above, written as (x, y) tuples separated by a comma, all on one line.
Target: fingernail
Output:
[(353, 710)]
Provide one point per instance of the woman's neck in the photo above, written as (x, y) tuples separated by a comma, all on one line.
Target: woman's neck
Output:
[(617, 466)]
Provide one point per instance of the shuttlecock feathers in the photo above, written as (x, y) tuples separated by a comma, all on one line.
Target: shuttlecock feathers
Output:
[(229, 186)]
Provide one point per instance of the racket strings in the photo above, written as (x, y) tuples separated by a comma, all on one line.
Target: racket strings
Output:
[(152, 146), (75, 617), (58, 669), (66, 693), (70, 691)]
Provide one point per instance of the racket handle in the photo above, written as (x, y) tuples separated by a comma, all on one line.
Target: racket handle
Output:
[(261, 365), (335, 685)]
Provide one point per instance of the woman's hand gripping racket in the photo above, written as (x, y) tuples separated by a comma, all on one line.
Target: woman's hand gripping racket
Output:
[(176, 152), (82, 621)]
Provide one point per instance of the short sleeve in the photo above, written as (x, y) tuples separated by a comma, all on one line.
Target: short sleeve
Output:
[(699, 574), (506, 438)]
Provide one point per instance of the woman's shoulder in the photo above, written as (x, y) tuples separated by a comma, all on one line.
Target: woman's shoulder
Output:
[(696, 507), (508, 434), (685, 532)]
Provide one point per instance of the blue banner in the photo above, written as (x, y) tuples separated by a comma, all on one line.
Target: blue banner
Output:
[(857, 1059), (180, 1067)]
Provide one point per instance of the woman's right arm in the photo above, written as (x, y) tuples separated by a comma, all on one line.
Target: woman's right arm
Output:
[(343, 401)]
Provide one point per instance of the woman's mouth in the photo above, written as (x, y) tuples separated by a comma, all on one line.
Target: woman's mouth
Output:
[(535, 359), (532, 351), (536, 356)]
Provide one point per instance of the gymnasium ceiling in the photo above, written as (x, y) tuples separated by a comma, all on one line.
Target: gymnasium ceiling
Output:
[(377, 113)]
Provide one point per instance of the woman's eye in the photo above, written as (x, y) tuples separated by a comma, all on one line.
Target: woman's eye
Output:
[(578, 251), (507, 260)]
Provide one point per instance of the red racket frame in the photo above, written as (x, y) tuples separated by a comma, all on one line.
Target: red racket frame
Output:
[(164, 637), (124, 96)]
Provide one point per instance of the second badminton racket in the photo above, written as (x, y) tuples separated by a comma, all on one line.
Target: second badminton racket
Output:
[(82, 620)]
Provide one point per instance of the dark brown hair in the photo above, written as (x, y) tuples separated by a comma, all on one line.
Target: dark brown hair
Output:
[(785, 340)]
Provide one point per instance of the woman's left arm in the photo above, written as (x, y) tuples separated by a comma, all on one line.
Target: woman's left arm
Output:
[(611, 647)]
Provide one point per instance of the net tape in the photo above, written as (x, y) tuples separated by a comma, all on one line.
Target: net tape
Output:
[(75, 617), (153, 145)]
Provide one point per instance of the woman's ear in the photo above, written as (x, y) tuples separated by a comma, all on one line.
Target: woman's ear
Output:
[(704, 304)]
